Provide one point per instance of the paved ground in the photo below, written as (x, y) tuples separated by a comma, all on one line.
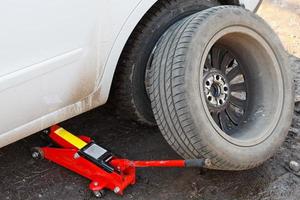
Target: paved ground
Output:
[(23, 178)]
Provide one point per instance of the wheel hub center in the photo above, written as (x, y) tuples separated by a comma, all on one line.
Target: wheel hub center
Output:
[(216, 89)]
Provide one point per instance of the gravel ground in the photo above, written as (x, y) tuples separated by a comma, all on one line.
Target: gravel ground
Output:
[(24, 178), (284, 17)]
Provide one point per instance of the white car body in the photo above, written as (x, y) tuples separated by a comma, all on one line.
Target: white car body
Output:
[(58, 58)]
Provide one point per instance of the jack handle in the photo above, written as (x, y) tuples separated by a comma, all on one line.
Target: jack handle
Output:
[(174, 163)]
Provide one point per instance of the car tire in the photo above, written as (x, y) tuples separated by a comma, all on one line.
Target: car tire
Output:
[(221, 88), (129, 95)]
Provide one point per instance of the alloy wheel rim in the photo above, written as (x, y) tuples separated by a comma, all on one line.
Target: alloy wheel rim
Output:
[(225, 88)]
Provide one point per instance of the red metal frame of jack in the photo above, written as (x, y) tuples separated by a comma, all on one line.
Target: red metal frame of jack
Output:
[(124, 175)]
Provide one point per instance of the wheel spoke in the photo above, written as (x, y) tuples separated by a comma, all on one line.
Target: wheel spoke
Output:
[(237, 102), (226, 62), (233, 115), (215, 56), (226, 124), (223, 122), (208, 64), (238, 87), (215, 116), (233, 73)]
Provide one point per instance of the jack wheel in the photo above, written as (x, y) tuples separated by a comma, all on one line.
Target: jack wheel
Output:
[(99, 193), (37, 153)]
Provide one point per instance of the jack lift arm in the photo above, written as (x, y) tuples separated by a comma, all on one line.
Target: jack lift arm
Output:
[(84, 157)]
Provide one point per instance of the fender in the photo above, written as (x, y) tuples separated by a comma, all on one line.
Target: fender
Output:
[(124, 34), (131, 22)]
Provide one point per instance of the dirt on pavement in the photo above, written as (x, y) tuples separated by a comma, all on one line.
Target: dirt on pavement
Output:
[(24, 178), (284, 18)]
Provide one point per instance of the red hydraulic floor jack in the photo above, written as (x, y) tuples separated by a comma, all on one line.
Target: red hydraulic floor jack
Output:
[(83, 156)]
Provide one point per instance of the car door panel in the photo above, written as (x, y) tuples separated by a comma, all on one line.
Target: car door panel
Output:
[(52, 54), (45, 58)]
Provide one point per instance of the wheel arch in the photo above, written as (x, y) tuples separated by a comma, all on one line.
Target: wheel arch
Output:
[(128, 29)]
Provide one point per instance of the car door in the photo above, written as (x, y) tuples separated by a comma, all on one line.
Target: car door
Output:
[(47, 57)]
